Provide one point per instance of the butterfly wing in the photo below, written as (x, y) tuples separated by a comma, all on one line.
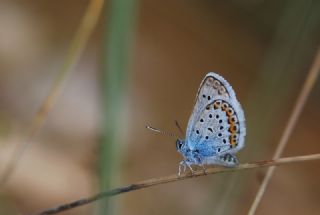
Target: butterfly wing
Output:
[(212, 85), (217, 124), (219, 130), (228, 160)]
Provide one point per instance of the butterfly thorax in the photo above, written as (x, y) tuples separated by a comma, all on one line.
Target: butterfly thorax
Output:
[(189, 154)]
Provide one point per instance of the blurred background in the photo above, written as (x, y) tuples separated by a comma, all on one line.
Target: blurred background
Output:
[(143, 65)]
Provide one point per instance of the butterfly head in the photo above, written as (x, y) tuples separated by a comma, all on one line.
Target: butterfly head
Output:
[(179, 145)]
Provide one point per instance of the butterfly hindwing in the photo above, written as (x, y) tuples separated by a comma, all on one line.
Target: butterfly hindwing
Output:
[(228, 160), (219, 129)]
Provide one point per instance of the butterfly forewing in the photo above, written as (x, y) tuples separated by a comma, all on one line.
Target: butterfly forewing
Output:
[(211, 87)]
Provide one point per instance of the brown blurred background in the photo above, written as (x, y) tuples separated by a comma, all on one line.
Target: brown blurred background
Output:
[(263, 48)]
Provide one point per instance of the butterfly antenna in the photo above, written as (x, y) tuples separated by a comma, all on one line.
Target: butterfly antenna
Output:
[(179, 127), (161, 132)]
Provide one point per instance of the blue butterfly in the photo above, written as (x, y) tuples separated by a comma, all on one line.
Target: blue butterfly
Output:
[(216, 128)]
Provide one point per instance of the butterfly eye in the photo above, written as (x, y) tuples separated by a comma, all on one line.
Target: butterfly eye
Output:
[(179, 144)]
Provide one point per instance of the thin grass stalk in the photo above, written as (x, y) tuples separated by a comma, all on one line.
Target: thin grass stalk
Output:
[(298, 107), (77, 45), (176, 178), (279, 74)]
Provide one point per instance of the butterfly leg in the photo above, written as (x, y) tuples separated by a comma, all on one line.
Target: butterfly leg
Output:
[(189, 165), (204, 169), (199, 161), (182, 164)]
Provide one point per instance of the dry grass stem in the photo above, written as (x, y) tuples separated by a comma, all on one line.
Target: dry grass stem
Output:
[(173, 178), (77, 45), (306, 89)]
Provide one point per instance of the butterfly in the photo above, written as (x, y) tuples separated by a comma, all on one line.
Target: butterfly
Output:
[(216, 127)]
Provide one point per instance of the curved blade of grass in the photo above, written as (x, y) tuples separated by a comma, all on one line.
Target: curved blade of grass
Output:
[(77, 45)]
